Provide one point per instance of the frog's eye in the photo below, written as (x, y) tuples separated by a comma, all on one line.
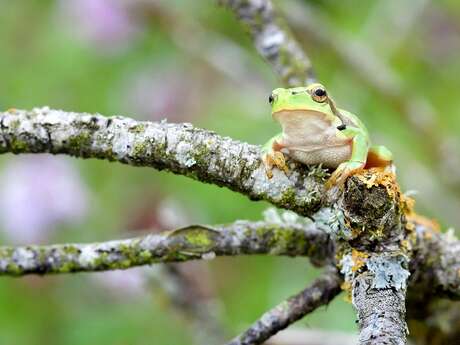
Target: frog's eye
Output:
[(319, 95), (271, 99)]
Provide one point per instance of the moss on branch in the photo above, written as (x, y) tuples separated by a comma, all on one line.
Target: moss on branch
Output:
[(193, 242)]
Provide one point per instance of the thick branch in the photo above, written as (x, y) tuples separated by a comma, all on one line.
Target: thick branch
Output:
[(179, 148), (321, 292), (375, 256), (194, 242), (274, 41)]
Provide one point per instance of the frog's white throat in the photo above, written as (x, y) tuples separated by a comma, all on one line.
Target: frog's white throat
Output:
[(302, 124), (310, 137)]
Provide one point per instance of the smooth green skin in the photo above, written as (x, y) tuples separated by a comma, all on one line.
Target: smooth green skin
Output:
[(300, 98)]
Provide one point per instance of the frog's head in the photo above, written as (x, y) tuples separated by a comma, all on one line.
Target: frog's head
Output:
[(312, 99)]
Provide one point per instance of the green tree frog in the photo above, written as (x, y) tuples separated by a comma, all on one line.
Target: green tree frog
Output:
[(315, 131)]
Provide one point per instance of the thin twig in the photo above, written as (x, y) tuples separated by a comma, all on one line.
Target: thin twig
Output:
[(198, 311), (274, 40), (190, 243), (319, 293)]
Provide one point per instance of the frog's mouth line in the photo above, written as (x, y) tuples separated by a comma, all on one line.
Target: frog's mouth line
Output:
[(305, 112)]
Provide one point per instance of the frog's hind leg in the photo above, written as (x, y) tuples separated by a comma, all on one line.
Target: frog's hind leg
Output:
[(379, 156)]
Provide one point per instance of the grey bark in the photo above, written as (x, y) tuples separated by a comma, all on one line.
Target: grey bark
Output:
[(381, 312), (191, 243), (180, 148)]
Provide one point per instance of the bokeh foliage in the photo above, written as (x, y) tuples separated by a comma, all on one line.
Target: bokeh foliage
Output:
[(48, 57)]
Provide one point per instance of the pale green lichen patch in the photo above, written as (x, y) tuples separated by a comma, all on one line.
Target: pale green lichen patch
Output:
[(139, 150), (389, 271), (18, 146), (318, 172), (14, 125), (282, 241), (138, 128), (78, 144), (332, 221), (199, 239)]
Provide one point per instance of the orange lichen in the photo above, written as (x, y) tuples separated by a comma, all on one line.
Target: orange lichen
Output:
[(407, 204), (380, 177), (413, 219), (346, 286), (359, 259), (406, 245), (417, 219)]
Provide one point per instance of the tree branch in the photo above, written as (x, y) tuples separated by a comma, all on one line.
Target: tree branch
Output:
[(374, 255), (179, 148), (274, 40), (381, 311), (436, 263), (193, 242), (321, 292)]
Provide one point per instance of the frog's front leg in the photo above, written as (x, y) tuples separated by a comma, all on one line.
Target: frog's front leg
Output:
[(357, 160), (272, 156)]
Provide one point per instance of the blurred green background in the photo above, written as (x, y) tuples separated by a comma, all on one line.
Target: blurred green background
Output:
[(394, 64)]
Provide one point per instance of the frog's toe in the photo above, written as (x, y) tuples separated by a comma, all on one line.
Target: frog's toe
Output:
[(335, 180), (274, 159), (268, 162), (280, 161)]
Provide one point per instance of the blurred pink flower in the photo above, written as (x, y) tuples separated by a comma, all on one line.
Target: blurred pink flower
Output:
[(163, 93), (104, 24), (439, 37), (123, 283), (37, 193)]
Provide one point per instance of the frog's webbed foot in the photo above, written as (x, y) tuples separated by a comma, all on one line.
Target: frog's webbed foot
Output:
[(274, 159), (343, 171)]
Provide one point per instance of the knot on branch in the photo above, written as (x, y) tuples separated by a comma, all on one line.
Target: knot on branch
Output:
[(372, 210)]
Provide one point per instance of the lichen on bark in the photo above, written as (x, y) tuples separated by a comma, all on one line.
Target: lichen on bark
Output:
[(180, 148)]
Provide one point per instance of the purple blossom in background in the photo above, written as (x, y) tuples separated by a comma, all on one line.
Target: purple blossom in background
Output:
[(104, 24), (123, 283), (163, 92), (37, 193)]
